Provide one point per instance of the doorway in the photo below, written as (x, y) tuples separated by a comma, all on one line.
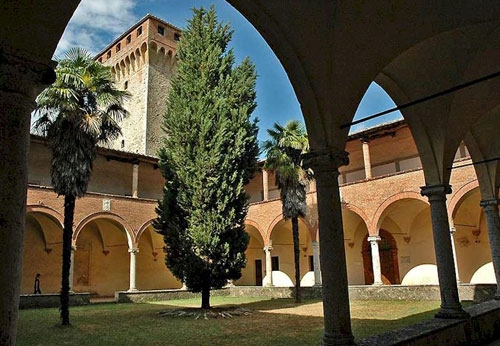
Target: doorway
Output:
[(258, 272)]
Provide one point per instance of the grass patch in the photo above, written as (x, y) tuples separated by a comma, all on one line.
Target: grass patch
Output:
[(273, 322)]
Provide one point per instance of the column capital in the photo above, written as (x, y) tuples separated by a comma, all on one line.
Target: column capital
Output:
[(315, 243), (375, 239), (268, 248), (452, 230), (327, 160), (24, 75), (134, 250), (491, 203), (73, 247), (435, 192)]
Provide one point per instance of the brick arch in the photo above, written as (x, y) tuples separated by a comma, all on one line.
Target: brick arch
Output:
[(55, 215), (255, 225), (142, 229), (279, 218), (131, 239), (358, 211), (390, 200), (456, 198)]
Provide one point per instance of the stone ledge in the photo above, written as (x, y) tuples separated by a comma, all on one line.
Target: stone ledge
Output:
[(34, 301), (483, 326), (161, 295), (470, 292)]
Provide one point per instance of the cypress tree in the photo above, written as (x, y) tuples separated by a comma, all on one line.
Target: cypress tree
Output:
[(209, 154)]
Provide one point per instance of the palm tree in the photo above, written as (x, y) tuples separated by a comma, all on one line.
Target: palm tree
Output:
[(75, 114), (283, 151)]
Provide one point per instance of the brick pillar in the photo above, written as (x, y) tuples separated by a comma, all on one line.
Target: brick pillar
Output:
[(135, 180), (367, 158), (265, 185)]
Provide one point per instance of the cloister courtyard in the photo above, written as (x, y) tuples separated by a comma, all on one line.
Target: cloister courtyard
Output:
[(272, 322)]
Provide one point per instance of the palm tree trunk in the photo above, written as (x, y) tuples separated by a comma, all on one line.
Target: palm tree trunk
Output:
[(296, 253), (69, 213)]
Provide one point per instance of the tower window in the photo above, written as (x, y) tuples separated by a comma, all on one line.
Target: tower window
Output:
[(118, 47), (177, 37), (109, 54), (125, 85), (139, 30), (275, 263), (123, 143), (129, 39), (161, 30)]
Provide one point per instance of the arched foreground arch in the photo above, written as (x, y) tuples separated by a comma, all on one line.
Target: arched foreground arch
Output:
[(472, 246), (281, 240), (42, 250), (152, 272), (254, 272), (102, 255)]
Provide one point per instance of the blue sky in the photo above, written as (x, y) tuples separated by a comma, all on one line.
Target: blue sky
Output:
[(98, 22)]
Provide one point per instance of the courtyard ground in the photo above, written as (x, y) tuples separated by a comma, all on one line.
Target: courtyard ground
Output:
[(273, 322)]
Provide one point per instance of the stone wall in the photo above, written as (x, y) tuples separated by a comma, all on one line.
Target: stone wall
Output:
[(162, 295), (33, 301), (482, 327)]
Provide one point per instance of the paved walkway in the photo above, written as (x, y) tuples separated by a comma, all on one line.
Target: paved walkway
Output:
[(495, 343)]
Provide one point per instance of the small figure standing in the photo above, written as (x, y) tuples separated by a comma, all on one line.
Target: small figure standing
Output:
[(37, 284)]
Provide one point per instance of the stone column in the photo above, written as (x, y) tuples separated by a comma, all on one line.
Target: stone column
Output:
[(72, 268), (269, 267), (490, 208), (452, 235), (316, 264), (133, 274), (337, 317), (21, 80), (450, 302), (377, 271), (135, 180), (366, 158), (265, 184)]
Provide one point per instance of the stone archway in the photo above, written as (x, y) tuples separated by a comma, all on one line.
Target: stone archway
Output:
[(388, 259)]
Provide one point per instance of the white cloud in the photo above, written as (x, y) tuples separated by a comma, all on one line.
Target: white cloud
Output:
[(95, 23)]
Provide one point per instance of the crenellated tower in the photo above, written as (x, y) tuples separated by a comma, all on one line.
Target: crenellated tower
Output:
[(142, 62)]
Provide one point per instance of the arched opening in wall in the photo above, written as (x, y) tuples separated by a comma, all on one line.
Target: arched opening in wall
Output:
[(355, 231), (407, 219), (254, 272), (42, 253), (101, 259), (282, 254), (388, 252), (471, 240), (152, 272)]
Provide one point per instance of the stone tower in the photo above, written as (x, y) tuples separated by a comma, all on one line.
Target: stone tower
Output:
[(142, 62)]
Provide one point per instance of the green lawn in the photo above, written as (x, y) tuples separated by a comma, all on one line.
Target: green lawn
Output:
[(273, 322)]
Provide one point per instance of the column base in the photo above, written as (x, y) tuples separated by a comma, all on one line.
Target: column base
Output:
[(132, 290), (337, 340), (457, 313), (378, 284), (317, 285), (497, 296), (268, 285)]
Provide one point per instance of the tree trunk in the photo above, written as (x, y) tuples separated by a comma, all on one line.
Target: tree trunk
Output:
[(296, 253), (69, 213), (205, 297)]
